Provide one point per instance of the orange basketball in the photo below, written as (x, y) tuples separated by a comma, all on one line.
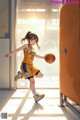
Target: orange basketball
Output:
[(50, 58)]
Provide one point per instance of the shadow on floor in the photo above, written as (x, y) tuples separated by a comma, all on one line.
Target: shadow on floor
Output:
[(35, 107)]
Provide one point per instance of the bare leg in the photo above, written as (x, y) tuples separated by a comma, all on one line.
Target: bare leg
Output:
[(32, 85), (37, 97)]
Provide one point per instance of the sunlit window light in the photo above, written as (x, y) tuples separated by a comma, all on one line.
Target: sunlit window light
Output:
[(40, 10), (55, 21), (55, 10), (53, 24), (31, 10), (19, 21), (35, 10), (18, 31), (33, 20), (28, 10), (23, 10)]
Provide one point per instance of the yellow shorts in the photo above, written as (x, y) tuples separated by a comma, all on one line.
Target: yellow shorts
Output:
[(28, 71)]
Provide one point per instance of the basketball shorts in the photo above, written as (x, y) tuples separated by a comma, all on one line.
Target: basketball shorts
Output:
[(28, 71)]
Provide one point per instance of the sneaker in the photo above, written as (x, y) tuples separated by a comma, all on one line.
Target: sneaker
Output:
[(18, 76), (38, 97)]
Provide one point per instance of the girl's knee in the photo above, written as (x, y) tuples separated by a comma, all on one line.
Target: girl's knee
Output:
[(40, 75)]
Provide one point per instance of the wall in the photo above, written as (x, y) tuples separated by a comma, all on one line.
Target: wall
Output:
[(4, 18), (4, 63), (7, 43)]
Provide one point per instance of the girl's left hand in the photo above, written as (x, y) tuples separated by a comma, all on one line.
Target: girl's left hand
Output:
[(7, 55)]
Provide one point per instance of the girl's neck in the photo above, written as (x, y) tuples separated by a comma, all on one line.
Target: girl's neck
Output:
[(30, 46)]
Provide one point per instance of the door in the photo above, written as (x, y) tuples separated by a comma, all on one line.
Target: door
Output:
[(70, 52)]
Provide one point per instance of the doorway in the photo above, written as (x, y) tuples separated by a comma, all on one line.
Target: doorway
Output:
[(41, 18)]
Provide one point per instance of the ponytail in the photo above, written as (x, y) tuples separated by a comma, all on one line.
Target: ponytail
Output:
[(26, 36)]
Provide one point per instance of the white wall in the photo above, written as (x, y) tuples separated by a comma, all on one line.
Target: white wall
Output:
[(4, 63)]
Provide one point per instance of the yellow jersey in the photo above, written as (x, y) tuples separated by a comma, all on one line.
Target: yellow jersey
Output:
[(29, 55)]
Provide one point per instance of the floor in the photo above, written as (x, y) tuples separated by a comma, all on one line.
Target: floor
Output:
[(20, 105)]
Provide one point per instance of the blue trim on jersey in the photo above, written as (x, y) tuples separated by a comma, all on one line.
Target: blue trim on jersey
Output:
[(31, 52)]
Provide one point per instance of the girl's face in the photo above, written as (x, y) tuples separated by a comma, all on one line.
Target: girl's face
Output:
[(33, 42)]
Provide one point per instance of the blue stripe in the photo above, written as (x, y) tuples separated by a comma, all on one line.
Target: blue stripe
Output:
[(24, 67)]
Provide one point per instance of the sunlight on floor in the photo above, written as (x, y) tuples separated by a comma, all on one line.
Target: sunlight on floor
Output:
[(12, 106), (19, 93), (21, 106)]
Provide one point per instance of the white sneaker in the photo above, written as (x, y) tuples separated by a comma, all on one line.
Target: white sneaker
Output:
[(38, 97), (18, 76)]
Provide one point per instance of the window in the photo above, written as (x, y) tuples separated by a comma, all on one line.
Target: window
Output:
[(53, 24)]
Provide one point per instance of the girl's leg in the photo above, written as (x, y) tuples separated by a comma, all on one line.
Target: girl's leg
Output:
[(32, 85), (36, 96)]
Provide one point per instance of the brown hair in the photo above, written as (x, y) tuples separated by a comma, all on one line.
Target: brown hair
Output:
[(31, 36)]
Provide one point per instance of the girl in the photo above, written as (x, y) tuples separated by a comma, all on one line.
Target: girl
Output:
[(27, 68)]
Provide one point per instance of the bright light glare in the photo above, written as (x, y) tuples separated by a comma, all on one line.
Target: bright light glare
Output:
[(33, 20)]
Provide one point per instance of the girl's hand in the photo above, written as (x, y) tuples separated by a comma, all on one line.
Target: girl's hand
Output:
[(7, 55), (43, 57)]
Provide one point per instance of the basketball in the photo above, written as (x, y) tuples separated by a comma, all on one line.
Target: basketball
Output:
[(50, 58)]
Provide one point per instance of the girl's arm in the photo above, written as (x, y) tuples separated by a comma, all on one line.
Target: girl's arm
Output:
[(38, 56), (16, 50)]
